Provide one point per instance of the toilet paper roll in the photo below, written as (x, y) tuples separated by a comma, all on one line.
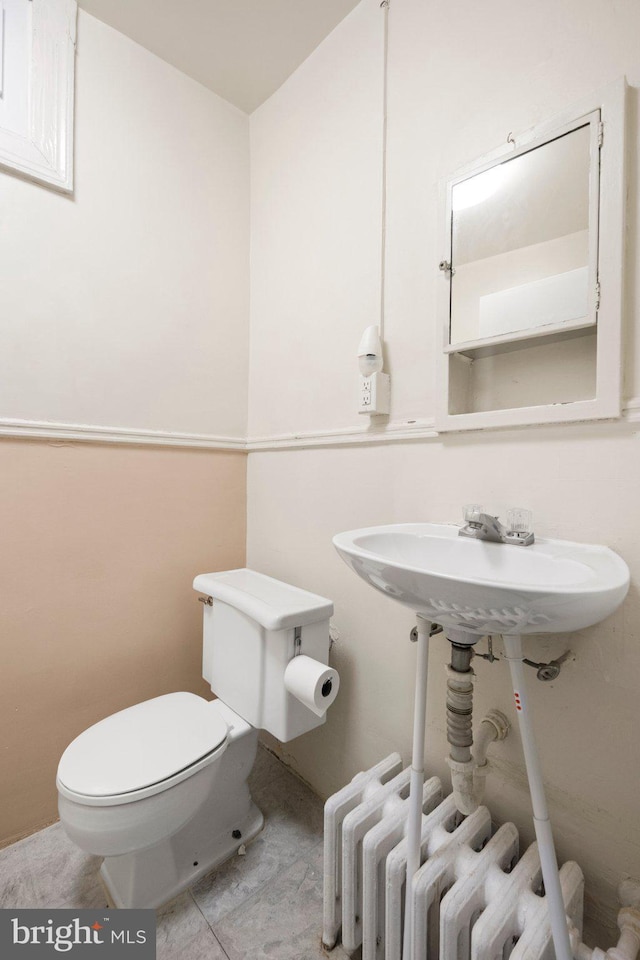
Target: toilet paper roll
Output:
[(312, 683)]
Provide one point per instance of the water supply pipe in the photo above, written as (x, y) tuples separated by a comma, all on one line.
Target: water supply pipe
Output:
[(546, 850), (628, 945)]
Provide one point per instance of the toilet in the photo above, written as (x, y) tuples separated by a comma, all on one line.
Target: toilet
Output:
[(160, 789)]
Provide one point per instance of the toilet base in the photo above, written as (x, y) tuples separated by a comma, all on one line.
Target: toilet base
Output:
[(152, 877)]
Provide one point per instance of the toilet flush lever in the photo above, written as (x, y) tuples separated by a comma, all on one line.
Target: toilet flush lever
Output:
[(208, 601)]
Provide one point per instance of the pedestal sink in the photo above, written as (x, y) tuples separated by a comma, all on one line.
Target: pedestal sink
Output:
[(481, 588), (472, 588)]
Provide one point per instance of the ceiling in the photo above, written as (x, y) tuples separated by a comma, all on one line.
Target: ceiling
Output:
[(243, 50)]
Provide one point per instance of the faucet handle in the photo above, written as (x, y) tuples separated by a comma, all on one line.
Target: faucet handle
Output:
[(519, 520), (519, 523), (471, 512)]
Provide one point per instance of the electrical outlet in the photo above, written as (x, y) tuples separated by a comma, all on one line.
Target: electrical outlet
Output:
[(373, 396)]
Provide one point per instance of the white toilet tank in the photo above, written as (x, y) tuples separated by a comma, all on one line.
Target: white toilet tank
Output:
[(253, 628)]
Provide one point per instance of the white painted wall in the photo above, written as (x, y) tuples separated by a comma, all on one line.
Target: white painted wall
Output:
[(127, 305), (461, 77), (315, 232)]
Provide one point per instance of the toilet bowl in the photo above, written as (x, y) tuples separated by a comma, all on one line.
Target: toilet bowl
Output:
[(171, 826), (159, 789), (140, 774)]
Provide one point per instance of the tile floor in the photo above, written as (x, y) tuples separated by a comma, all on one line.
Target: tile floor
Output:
[(267, 904)]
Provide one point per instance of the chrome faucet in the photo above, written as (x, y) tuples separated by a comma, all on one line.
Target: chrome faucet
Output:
[(482, 526)]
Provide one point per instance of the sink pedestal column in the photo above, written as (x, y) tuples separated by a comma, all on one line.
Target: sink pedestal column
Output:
[(414, 826), (553, 891), (423, 631)]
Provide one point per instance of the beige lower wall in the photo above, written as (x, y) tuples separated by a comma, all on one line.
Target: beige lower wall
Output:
[(99, 548)]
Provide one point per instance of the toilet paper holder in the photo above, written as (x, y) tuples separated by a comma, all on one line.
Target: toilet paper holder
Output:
[(327, 686)]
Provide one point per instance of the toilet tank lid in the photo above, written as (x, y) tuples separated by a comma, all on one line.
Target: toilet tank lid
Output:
[(271, 603), (142, 745)]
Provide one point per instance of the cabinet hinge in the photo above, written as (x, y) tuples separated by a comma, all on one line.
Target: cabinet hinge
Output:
[(597, 294), (446, 267), (600, 133)]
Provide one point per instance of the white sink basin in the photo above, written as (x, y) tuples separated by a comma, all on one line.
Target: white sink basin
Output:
[(480, 587)]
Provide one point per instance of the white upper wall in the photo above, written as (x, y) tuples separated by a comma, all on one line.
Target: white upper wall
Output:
[(316, 148), (461, 77), (127, 305)]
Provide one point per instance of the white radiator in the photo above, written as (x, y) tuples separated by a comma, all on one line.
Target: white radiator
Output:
[(474, 897)]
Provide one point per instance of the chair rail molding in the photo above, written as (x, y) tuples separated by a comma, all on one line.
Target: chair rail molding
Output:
[(396, 431), (72, 432)]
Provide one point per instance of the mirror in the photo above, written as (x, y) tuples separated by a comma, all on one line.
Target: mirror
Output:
[(531, 280), (520, 243)]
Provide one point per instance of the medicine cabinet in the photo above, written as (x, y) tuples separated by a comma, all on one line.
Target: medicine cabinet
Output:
[(530, 279)]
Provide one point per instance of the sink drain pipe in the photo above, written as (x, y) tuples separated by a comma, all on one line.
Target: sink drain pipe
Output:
[(460, 677), (468, 770)]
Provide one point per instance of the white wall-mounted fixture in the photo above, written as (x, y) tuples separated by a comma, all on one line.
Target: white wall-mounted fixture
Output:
[(373, 397), (37, 95), (370, 352)]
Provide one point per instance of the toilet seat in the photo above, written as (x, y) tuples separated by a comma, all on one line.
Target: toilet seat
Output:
[(142, 750)]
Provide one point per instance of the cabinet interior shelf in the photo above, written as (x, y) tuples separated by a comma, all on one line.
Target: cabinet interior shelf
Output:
[(490, 346)]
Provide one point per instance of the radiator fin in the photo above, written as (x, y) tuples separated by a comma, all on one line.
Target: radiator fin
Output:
[(474, 897)]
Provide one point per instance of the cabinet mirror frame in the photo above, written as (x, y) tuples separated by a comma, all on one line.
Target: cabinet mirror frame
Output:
[(605, 112)]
